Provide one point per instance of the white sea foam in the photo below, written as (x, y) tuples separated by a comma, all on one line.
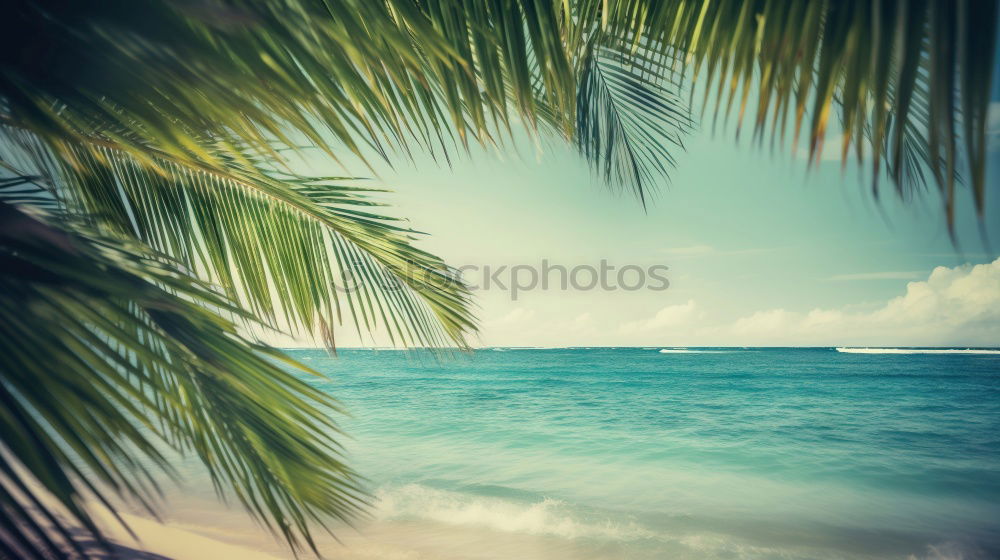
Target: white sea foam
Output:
[(915, 351), (546, 517), (690, 351)]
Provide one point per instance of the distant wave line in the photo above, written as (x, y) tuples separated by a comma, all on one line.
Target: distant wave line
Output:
[(689, 351), (847, 350)]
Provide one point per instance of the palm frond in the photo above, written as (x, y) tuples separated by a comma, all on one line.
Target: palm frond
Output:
[(110, 352), (894, 69), (629, 119), (389, 73), (251, 71), (303, 253), (343, 73)]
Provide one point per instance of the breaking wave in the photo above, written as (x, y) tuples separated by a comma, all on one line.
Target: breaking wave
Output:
[(916, 351), (692, 351), (545, 517)]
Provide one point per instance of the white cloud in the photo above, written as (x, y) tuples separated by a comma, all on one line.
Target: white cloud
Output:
[(957, 306), (772, 320), (668, 317), (954, 306)]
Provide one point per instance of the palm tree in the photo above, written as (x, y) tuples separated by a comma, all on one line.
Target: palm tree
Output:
[(150, 217)]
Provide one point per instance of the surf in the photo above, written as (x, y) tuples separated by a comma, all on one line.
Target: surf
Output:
[(849, 350), (695, 351), (544, 517)]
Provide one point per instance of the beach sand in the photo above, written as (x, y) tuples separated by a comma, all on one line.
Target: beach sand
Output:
[(156, 540), (199, 530)]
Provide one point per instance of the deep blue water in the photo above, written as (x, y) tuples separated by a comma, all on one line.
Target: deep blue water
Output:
[(633, 453)]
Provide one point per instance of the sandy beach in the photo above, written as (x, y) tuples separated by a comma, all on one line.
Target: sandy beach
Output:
[(155, 540), (214, 540), (195, 528)]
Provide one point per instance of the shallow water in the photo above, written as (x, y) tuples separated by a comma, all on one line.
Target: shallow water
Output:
[(633, 453)]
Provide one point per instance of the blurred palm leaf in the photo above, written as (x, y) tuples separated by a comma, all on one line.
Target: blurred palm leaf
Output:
[(628, 119), (910, 78), (110, 352), (278, 243)]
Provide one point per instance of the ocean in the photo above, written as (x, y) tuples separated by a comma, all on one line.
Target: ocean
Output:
[(638, 453)]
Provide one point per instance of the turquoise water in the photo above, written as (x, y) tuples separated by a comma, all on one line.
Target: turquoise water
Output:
[(633, 453)]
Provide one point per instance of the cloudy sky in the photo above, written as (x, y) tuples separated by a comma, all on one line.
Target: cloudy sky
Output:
[(760, 250)]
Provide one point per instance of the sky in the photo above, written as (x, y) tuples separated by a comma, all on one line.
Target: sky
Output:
[(760, 250)]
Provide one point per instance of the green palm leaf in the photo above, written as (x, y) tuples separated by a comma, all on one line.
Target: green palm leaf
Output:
[(291, 249), (895, 70), (628, 119), (133, 358)]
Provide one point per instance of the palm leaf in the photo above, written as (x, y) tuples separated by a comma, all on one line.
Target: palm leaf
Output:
[(345, 74), (628, 119), (393, 72), (894, 69), (281, 245), (134, 359)]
